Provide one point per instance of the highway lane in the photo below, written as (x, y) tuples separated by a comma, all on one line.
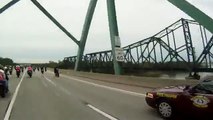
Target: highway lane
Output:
[(44, 97), (13, 82)]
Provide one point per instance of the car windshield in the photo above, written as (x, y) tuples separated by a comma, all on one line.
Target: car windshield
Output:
[(206, 85)]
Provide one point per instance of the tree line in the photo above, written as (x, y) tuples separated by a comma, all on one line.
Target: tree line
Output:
[(6, 61)]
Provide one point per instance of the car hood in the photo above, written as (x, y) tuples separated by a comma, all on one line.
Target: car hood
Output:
[(172, 89)]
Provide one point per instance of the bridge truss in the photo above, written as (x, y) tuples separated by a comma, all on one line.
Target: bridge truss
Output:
[(184, 45), (164, 50)]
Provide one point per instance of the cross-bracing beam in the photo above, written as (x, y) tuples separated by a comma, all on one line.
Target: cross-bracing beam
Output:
[(37, 4), (195, 13), (8, 5)]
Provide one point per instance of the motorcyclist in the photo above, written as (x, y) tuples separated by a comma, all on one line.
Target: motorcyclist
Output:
[(34, 68), (10, 70), (56, 71), (18, 70), (4, 78), (42, 70), (30, 71), (6, 72)]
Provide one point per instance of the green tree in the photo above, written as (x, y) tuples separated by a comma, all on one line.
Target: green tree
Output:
[(6, 61)]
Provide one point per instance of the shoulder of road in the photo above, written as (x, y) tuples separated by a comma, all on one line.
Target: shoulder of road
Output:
[(146, 82)]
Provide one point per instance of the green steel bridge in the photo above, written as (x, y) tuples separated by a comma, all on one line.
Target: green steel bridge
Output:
[(177, 47)]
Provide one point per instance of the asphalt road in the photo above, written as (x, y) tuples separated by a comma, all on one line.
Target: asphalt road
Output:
[(45, 97)]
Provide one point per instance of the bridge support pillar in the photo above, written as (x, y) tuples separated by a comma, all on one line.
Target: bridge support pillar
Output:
[(84, 34), (113, 27)]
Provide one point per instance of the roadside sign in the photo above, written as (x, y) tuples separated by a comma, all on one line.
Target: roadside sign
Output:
[(119, 54)]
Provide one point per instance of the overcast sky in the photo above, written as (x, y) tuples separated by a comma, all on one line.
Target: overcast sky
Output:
[(27, 35)]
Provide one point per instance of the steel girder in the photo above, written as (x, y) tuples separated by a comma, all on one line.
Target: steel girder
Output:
[(195, 13), (162, 48), (206, 52), (11, 3), (37, 4)]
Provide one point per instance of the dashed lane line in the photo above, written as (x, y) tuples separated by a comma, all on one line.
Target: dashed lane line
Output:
[(45, 84), (50, 81), (88, 105), (61, 88), (101, 112)]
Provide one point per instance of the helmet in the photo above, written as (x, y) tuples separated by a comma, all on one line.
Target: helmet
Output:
[(5, 67)]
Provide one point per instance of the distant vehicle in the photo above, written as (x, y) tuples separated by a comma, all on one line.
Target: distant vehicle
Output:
[(192, 101)]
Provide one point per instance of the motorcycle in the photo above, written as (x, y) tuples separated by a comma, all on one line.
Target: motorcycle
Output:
[(56, 71), (3, 89), (42, 70), (10, 71), (18, 73), (57, 74), (30, 73)]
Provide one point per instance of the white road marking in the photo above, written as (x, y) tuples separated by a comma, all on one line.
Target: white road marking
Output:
[(65, 90), (107, 87), (8, 113), (101, 112), (45, 84), (57, 94), (50, 81), (61, 88)]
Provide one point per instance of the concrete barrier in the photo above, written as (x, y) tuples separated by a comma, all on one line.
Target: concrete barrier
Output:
[(148, 82)]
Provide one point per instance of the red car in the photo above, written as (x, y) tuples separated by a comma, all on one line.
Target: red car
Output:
[(195, 101)]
